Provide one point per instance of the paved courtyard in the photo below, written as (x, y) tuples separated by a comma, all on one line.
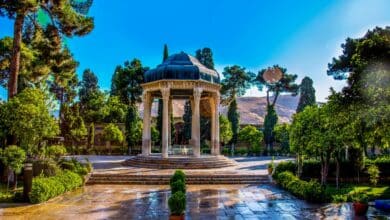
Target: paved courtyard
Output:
[(203, 202)]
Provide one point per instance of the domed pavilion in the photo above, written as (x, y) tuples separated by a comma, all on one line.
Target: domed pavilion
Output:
[(182, 76)]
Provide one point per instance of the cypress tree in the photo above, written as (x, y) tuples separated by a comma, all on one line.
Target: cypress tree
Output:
[(187, 118), (160, 101), (165, 53), (307, 93), (270, 121), (234, 118)]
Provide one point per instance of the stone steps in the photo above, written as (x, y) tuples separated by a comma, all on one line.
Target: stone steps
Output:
[(157, 162), (164, 179)]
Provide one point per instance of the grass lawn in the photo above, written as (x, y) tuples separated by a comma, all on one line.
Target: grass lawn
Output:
[(9, 196), (341, 194)]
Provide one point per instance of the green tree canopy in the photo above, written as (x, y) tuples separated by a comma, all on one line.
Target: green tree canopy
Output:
[(126, 82), (113, 133), (307, 94), (205, 57), (29, 118), (65, 18), (250, 135), (225, 129), (234, 118), (285, 85)]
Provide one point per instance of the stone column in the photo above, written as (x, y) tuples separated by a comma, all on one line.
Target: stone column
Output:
[(169, 122), (216, 141), (165, 125), (196, 122), (212, 110), (146, 137)]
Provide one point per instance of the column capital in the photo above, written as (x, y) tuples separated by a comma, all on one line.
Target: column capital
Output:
[(165, 93), (197, 93), (145, 95)]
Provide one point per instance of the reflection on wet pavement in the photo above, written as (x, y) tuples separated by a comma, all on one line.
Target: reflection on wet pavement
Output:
[(203, 202)]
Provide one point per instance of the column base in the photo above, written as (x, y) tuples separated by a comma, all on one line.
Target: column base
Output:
[(146, 147)]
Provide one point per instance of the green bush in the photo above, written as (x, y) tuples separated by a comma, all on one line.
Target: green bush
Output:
[(75, 166), (284, 166), (373, 173), (311, 191), (45, 188), (178, 175), (46, 167), (177, 203), (177, 186), (56, 151)]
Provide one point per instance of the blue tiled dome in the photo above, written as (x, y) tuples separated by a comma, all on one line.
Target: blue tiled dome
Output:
[(182, 66)]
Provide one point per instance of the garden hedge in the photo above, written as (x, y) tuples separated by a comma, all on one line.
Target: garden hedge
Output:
[(45, 188), (311, 191)]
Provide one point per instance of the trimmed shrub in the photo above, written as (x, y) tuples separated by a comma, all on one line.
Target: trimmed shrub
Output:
[(75, 166), (284, 166), (177, 203), (311, 191), (56, 151), (178, 175), (177, 186), (45, 188)]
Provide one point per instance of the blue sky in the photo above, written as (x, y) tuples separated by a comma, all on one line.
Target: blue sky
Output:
[(300, 35)]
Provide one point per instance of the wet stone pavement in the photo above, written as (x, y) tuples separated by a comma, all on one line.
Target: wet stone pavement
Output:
[(203, 202)]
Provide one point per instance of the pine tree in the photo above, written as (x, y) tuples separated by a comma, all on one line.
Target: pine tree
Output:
[(66, 18), (205, 57), (307, 92), (160, 101)]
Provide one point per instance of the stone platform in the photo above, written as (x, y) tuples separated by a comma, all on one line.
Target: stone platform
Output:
[(180, 162), (112, 170)]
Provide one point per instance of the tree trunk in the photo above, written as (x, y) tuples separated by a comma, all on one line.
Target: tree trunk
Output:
[(300, 163), (337, 172), (15, 59), (324, 168), (16, 181)]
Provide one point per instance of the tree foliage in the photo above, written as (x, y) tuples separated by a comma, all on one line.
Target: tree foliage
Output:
[(307, 94), (205, 57), (133, 127), (234, 118), (29, 119), (225, 129), (250, 135), (285, 85), (66, 18), (113, 133), (187, 118), (127, 80)]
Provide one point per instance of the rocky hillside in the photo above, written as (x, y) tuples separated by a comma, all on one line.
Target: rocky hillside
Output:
[(252, 109)]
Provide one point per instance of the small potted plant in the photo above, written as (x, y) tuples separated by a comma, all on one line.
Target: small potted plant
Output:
[(177, 201), (177, 205), (271, 166), (360, 203)]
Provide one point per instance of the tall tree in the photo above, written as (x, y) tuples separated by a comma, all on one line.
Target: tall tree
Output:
[(66, 18), (127, 80), (307, 92), (286, 84), (364, 64), (205, 57), (234, 118), (88, 85), (187, 118), (235, 83), (165, 53), (160, 101), (133, 127)]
